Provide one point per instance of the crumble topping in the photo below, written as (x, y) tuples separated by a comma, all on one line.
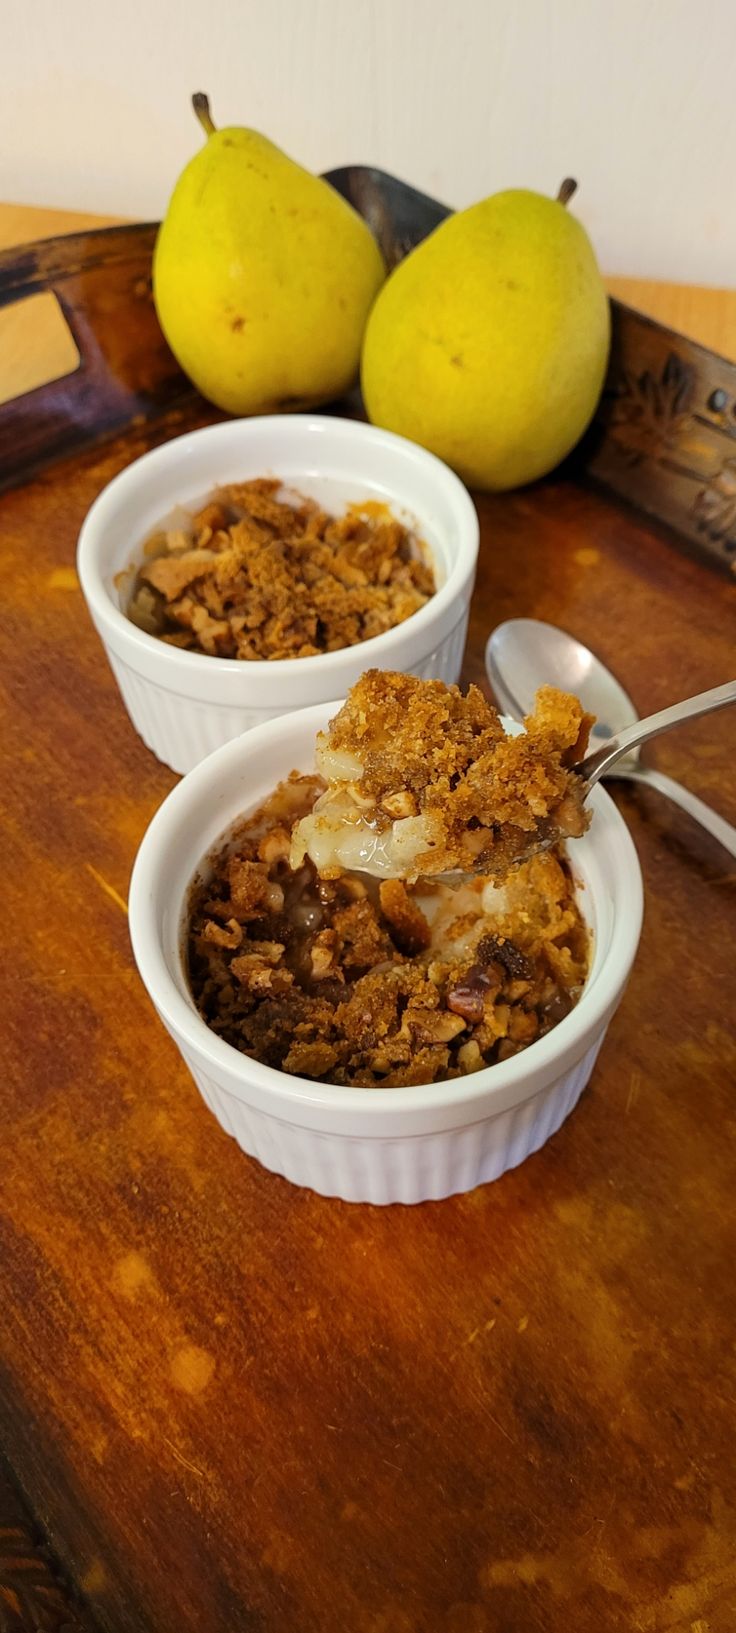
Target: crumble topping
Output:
[(422, 780), (354, 981), (254, 577)]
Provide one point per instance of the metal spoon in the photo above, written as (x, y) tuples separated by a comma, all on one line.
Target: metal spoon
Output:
[(523, 654)]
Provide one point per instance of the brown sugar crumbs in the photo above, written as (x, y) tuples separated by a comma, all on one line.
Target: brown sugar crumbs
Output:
[(423, 780), (252, 576), (355, 981)]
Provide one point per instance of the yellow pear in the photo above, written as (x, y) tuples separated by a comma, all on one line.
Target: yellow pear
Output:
[(489, 342), (263, 276)]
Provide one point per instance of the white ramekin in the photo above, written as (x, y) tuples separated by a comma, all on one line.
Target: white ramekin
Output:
[(185, 704), (371, 1145)]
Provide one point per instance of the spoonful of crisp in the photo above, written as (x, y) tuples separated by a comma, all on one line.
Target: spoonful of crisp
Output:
[(423, 781), (521, 653)]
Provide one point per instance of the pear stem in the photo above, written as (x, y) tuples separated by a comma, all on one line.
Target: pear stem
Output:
[(567, 188), (201, 106)]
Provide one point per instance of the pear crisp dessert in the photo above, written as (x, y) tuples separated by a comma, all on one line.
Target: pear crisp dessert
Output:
[(254, 576), (423, 781), (353, 979)]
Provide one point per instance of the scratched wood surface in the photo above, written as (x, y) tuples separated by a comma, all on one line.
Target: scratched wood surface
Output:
[(235, 1407)]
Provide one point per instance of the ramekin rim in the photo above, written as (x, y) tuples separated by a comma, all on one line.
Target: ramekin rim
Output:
[(289, 1092), (189, 664)]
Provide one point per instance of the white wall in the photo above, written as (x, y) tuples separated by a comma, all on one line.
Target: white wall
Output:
[(637, 98)]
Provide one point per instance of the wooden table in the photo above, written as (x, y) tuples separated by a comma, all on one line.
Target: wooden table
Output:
[(231, 1406)]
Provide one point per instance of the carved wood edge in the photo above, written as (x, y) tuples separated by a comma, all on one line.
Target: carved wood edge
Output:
[(30, 267), (664, 434), (126, 376), (663, 439), (34, 1595)]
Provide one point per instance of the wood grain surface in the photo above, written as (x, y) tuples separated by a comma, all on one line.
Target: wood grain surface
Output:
[(236, 1407), (34, 1598)]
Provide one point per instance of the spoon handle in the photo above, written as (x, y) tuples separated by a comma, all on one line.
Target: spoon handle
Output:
[(696, 808), (597, 764)]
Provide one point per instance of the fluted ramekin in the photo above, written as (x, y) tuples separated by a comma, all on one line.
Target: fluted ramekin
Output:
[(185, 704), (371, 1145)]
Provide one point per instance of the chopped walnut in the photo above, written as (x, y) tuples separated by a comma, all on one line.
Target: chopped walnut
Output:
[(435, 1025), (402, 804), (324, 955), (172, 575), (229, 935), (468, 998), (408, 923), (469, 1057), (350, 982), (260, 969)]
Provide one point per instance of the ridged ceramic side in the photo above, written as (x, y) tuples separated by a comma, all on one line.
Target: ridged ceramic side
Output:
[(415, 1168), (372, 1145), (181, 731), (183, 704)]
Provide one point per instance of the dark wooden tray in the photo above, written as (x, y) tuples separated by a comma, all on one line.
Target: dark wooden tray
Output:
[(664, 438), (231, 1406)]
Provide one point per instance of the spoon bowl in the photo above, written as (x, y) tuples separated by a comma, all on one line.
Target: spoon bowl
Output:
[(523, 654)]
